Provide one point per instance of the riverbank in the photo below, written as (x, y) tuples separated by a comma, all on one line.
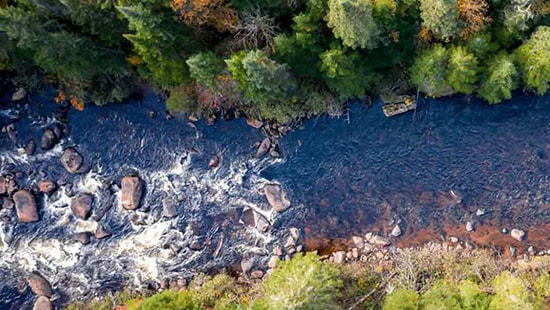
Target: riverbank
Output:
[(435, 275), (346, 177)]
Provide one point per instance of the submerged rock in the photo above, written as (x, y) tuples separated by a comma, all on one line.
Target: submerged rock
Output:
[(101, 232), (19, 94), (81, 206), (7, 203), (25, 205), (131, 191), (39, 285), (82, 237), (48, 139), (169, 207), (47, 187), (71, 160), (42, 303), (214, 161), (30, 147), (276, 197)]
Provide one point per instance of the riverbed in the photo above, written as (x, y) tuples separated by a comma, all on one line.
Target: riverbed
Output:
[(430, 172)]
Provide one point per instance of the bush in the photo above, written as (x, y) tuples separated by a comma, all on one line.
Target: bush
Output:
[(303, 283), (401, 300), (472, 296), (511, 294), (180, 100), (441, 296), (170, 300)]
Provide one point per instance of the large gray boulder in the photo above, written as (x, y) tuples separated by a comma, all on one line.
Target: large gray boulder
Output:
[(131, 189), (71, 160), (48, 139), (25, 205), (39, 285), (276, 197)]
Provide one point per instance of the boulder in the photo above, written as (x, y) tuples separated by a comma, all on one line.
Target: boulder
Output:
[(263, 148), (358, 241), (381, 241), (42, 303), (3, 186), (7, 203), (131, 191), (254, 123), (169, 207), (29, 147), (396, 231), (47, 187), (39, 285), (517, 234), (214, 161), (25, 205), (81, 206), (82, 237), (101, 232), (71, 160), (48, 139), (276, 197)]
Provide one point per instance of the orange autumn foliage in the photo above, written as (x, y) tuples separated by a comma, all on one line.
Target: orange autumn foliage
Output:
[(474, 13), (60, 97), (425, 35), (216, 13), (77, 103), (542, 7)]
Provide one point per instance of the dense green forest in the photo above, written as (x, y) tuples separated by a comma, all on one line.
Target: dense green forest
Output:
[(275, 59), (417, 279)]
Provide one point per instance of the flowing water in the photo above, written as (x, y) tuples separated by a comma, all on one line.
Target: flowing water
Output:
[(345, 176)]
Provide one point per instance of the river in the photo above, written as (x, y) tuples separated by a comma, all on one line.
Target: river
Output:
[(430, 171)]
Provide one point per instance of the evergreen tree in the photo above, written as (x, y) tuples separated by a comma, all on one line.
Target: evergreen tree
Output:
[(534, 59), (499, 79), (462, 72), (429, 72), (441, 18), (353, 22)]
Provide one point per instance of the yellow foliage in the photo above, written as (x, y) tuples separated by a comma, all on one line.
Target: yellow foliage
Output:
[(60, 96), (3, 4), (425, 35), (475, 15), (216, 13), (542, 7), (133, 60), (77, 103)]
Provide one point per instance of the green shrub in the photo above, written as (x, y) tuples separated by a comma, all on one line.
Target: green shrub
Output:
[(472, 296), (180, 100), (511, 294), (401, 300), (170, 300), (441, 296), (303, 283)]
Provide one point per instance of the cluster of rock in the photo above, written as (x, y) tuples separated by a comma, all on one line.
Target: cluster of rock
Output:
[(370, 248), (42, 289)]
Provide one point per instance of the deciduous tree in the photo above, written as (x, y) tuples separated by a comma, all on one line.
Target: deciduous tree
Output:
[(462, 70), (441, 18), (352, 21), (534, 60), (216, 13), (499, 79), (428, 72)]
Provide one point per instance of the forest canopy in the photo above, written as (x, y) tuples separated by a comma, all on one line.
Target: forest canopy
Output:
[(273, 59)]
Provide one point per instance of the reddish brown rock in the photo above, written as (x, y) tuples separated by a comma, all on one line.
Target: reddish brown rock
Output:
[(39, 285), (25, 205), (131, 191), (276, 197), (47, 187), (82, 205), (254, 123), (48, 139), (42, 303), (71, 160), (82, 237), (101, 232), (3, 186), (7, 203)]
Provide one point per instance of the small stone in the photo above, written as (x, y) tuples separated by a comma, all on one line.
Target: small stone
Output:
[(169, 207), (295, 233), (513, 251), (25, 205), (42, 303), (368, 248), (47, 187), (131, 188), (480, 212), (453, 239), (531, 251), (214, 162), (381, 241), (101, 232), (263, 148), (504, 231), (277, 250), (290, 242), (71, 160), (7, 203), (300, 248), (358, 241), (39, 285), (368, 237), (541, 253), (517, 234), (254, 123), (246, 265), (273, 261), (355, 253), (256, 274), (291, 251), (339, 257), (469, 227), (396, 232), (195, 245), (82, 237), (82, 206), (19, 94)]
